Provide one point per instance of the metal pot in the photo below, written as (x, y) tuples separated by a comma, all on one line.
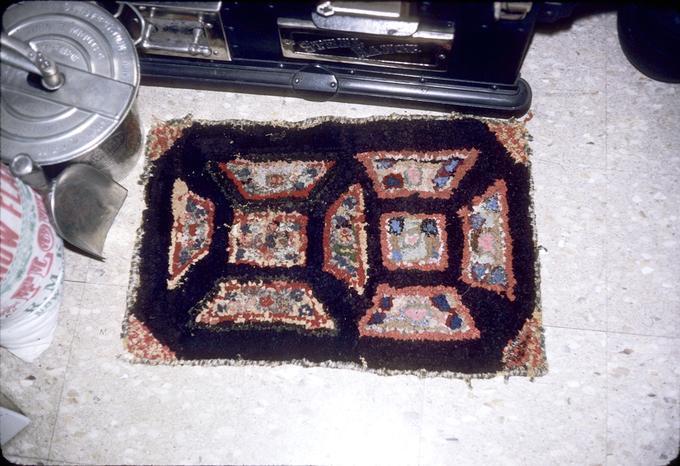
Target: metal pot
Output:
[(89, 118)]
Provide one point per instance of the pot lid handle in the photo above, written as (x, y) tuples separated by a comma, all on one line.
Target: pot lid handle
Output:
[(19, 54)]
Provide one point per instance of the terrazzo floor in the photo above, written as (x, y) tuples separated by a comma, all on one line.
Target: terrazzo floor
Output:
[(606, 167)]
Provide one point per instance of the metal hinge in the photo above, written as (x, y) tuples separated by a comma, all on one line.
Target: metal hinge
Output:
[(187, 29), (372, 9), (511, 11), (378, 18)]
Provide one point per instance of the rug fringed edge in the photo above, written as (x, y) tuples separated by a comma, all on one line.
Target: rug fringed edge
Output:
[(421, 373), (537, 315), (314, 121), (188, 120), (144, 177)]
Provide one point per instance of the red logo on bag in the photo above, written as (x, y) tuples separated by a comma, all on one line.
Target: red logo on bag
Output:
[(31, 285), (45, 237)]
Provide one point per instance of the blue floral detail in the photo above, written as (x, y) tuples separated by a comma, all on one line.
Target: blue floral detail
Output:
[(441, 181), (396, 256), (312, 172), (245, 228), (492, 204), (441, 303), (498, 276), (455, 322), (377, 318), (395, 225), (299, 185), (240, 254), (341, 260), (384, 163), (478, 271), (386, 302), (477, 221), (451, 165), (341, 222), (393, 181), (305, 311), (429, 227), (184, 256), (350, 202), (297, 295), (243, 173)]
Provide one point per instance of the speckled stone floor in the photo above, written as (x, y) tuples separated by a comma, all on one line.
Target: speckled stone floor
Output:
[(606, 170)]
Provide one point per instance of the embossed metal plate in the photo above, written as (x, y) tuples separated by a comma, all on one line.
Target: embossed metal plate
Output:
[(428, 49)]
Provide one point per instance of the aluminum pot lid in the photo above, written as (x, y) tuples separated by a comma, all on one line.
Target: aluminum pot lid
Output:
[(101, 70)]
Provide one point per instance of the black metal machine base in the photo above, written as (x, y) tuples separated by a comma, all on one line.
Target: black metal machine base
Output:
[(326, 83), (436, 55)]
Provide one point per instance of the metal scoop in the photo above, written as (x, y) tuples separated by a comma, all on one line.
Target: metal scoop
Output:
[(81, 201)]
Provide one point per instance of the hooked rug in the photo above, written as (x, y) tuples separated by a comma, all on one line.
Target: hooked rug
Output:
[(395, 245)]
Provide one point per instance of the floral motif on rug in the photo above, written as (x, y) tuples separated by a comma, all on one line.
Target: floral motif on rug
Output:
[(487, 250), (399, 245), (277, 179), (433, 174), (268, 238), (413, 241), (192, 230), (418, 313), (253, 303), (344, 239)]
